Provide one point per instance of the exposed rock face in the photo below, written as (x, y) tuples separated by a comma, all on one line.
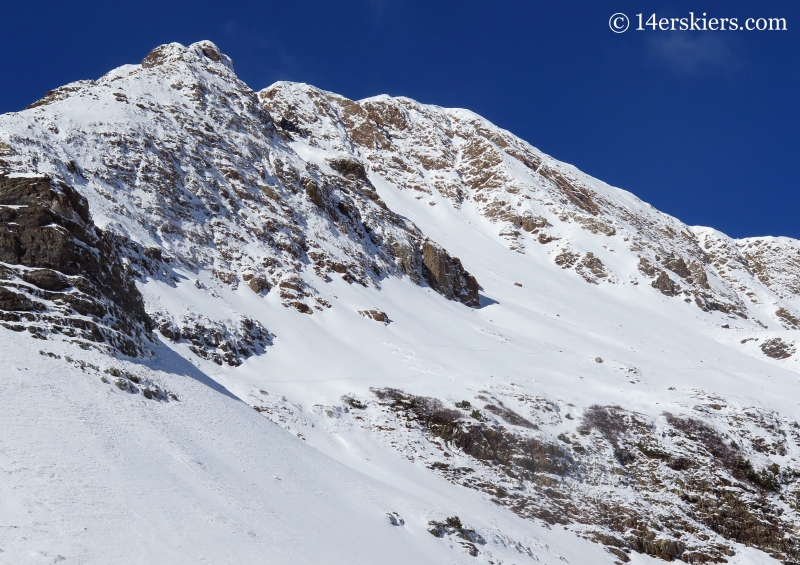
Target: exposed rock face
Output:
[(673, 488), (446, 275), (665, 285), (218, 342), (178, 155), (791, 322), (458, 156), (377, 315), (775, 261), (456, 531), (213, 181), (494, 444), (777, 348), (763, 271), (61, 274)]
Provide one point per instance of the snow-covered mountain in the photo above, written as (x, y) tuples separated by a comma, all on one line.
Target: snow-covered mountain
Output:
[(284, 326)]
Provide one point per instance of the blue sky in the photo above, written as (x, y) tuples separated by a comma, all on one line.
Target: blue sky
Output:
[(703, 125)]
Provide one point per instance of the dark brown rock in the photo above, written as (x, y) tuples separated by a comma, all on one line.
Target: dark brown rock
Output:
[(46, 279), (664, 284), (510, 416), (567, 259), (621, 555), (214, 340), (156, 57), (17, 302), (409, 260), (777, 348), (788, 319), (257, 283), (666, 549), (698, 276), (377, 315), (47, 228), (533, 223), (349, 168), (211, 52), (447, 276), (678, 266), (591, 268), (483, 441), (301, 307), (316, 194), (646, 267)]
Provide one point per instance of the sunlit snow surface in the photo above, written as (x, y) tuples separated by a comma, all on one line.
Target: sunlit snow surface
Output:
[(97, 475)]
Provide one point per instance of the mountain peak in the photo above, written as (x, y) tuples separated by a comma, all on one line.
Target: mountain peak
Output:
[(201, 52)]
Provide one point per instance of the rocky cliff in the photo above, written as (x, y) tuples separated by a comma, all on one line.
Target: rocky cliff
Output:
[(178, 156), (60, 274), (458, 158)]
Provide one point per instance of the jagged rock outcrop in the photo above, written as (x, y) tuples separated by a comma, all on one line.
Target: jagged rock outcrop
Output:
[(777, 348), (457, 157), (447, 276), (214, 182), (219, 342), (683, 487), (376, 315), (177, 155), (60, 274)]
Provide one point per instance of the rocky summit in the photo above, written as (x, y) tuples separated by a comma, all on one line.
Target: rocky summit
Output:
[(286, 326)]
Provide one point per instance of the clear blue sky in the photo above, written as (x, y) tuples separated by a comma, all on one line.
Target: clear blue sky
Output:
[(703, 125)]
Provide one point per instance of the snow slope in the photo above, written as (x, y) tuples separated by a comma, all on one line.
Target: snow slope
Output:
[(623, 391), (92, 474)]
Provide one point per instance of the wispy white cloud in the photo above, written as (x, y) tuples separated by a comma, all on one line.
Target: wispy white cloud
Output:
[(687, 53)]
